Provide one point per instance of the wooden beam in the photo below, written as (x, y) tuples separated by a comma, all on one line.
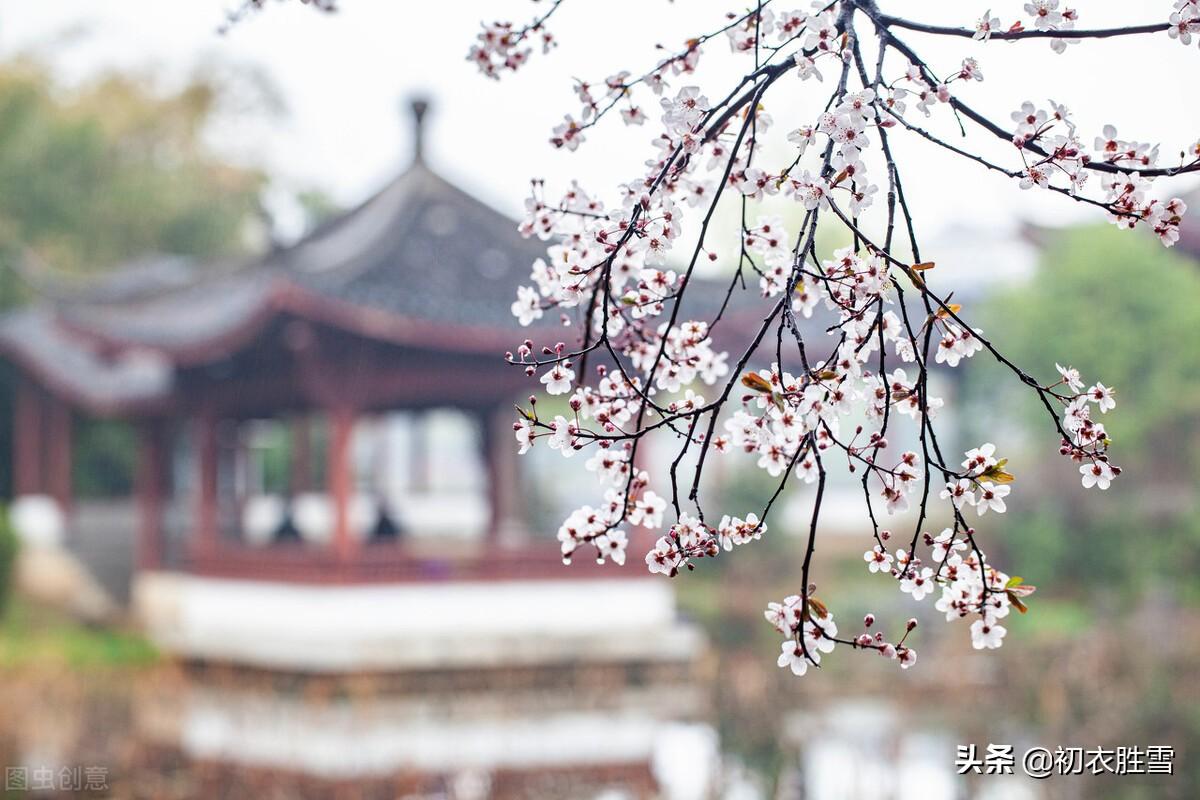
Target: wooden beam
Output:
[(326, 375)]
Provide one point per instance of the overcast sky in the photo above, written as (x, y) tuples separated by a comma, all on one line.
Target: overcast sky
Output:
[(344, 77)]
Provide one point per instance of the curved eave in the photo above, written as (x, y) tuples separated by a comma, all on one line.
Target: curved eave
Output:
[(399, 329), (83, 378), (288, 298), (306, 280)]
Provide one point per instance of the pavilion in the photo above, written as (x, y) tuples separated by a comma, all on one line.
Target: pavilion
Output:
[(399, 305)]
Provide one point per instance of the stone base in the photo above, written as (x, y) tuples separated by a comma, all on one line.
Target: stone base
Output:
[(396, 627)]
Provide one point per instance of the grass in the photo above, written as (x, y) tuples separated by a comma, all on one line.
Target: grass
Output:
[(33, 636)]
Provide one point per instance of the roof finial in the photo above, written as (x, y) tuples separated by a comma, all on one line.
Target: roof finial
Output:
[(419, 106)]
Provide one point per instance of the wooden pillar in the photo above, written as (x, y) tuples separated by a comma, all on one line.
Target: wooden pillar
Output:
[(301, 474), (341, 483), (28, 439), (151, 492), (59, 445), (206, 497), (505, 499)]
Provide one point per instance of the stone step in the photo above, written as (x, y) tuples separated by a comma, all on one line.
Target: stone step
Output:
[(101, 535)]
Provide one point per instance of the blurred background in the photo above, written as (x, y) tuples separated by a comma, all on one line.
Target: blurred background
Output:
[(267, 533)]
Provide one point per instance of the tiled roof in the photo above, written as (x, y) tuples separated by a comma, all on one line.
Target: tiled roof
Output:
[(421, 250), (75, 367), (421, 262)]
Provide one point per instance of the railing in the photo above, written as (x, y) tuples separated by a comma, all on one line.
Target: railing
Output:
[(398, 562)]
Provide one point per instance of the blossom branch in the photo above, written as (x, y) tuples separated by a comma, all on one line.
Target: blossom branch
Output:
[(611, 268)]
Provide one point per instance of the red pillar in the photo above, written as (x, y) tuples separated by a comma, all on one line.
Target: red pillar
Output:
[(341, 483), (505, 500), (28, 439), (206, 506), (60, 429), (151, 483)]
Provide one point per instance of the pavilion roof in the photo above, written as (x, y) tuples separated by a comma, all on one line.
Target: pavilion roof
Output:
[(421, 263)]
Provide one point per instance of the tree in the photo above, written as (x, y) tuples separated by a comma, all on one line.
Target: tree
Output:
[(1141, 296), (111, 172), (100, 175), (641, 348)]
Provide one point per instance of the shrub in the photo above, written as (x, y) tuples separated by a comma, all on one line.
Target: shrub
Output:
[(8, 556)]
